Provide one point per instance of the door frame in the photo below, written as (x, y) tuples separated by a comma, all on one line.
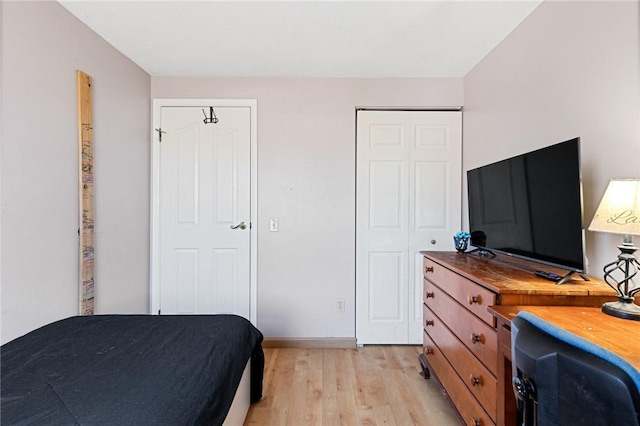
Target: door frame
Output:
[(154, 272)]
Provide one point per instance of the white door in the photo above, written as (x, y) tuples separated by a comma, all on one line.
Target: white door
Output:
[(204, 211), (408, 199)]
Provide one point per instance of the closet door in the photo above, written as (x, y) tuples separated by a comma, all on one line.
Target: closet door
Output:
[(408, 199)]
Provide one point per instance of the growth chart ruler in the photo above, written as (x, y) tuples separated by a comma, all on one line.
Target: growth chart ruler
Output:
[(85, 179)]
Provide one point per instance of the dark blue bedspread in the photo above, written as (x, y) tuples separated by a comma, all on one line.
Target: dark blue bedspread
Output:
[(129, 370)]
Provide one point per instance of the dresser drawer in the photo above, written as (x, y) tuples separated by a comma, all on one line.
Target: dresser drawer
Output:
[(476, 376), (468, 293), (437, 362), (470, 410), (474, 333)]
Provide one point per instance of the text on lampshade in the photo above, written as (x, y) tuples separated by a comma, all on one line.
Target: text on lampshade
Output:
[(624, 218)]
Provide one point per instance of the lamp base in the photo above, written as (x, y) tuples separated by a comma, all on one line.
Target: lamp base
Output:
[(625, 310)]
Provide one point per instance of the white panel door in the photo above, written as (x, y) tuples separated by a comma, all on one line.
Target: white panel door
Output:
[(408, 200), (204, 212)]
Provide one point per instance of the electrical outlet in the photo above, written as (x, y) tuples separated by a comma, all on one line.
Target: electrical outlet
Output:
[(339, 304)]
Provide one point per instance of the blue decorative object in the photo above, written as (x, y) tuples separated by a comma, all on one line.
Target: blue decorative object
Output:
[(461, 240)]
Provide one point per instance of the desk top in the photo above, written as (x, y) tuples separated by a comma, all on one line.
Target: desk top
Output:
[(619, 336)]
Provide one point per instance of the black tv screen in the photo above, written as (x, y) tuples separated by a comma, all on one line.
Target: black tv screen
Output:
[(530, 206)]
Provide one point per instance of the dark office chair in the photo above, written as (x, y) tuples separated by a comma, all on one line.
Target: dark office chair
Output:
[(561, 379)]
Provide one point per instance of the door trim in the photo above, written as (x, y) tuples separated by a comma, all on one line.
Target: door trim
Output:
[(154, 272)]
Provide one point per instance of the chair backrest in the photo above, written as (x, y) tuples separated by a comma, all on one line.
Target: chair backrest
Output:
[(560, 383)]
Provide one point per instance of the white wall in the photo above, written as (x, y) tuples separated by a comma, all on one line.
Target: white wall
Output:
[(42, 47), (570, 69), (306, 178), (1, 138)]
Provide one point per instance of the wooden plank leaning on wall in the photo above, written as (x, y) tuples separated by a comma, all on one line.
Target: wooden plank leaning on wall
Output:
[(85, 180)]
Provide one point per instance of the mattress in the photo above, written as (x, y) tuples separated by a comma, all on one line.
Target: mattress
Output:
[(129, 369)]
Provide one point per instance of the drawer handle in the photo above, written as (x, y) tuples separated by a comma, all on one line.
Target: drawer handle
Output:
[(429, 323), (475, 422), (477, 338), (428, 269), (475, 381), (475, 299), (429, 295), (429, 351)]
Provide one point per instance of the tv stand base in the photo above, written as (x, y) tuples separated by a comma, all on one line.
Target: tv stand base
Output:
[(569, 275), (482, 252)]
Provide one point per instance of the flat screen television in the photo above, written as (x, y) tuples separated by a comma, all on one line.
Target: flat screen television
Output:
[(530, 206)]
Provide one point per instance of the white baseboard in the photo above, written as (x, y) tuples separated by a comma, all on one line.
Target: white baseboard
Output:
[(292, 342)]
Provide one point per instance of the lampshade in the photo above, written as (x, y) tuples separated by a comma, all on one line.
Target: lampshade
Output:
[(619, 210)]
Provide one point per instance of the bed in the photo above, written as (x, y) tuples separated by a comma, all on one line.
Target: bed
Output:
[(130, 369)]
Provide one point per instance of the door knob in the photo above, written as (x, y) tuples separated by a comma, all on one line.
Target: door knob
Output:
[(241, 225)]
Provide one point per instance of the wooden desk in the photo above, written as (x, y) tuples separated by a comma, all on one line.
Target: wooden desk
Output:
[(619, 336)]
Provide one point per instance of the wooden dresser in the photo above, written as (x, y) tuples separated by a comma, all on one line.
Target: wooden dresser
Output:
[(460, 340)]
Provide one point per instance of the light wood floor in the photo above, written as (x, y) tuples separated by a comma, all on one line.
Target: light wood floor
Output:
[(373, 385)]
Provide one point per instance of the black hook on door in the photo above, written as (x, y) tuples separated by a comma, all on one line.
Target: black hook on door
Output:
[(212, 116)]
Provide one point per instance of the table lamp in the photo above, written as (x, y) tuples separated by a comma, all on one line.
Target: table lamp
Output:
[(619, 213)]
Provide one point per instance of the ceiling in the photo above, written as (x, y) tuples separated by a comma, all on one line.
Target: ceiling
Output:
[(360, 39)]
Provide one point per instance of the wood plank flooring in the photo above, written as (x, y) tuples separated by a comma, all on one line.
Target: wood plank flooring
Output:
[(373, 385)]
